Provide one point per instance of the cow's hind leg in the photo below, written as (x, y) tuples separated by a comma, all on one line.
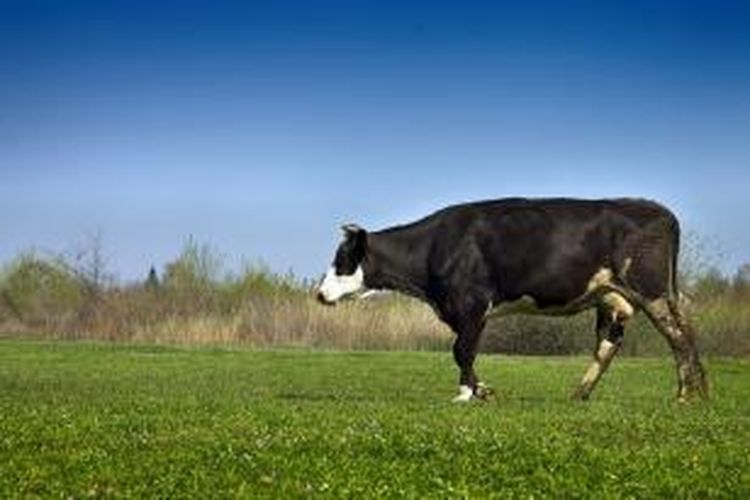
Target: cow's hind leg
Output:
[(609, 333), (669, 320)]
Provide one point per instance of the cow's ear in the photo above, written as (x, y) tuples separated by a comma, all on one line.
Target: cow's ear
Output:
[(352, 230), (356, 234)]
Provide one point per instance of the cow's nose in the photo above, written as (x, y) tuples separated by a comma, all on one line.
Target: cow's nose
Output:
[(322, 299)]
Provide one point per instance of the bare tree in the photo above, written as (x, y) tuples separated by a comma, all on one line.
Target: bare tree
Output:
[(89, 264)]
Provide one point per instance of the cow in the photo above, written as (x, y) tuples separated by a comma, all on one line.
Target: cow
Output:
[(555, 256)]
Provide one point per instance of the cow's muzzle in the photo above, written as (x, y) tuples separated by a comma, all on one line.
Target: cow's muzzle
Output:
[(323, 300)]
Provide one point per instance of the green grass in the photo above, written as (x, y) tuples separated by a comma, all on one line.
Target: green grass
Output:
[(115, 420)]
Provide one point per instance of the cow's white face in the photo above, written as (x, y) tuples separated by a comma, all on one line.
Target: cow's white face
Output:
[(337, 286), (346, 276)]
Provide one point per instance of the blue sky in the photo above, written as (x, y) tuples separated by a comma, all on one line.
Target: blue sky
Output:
[(258, 128)]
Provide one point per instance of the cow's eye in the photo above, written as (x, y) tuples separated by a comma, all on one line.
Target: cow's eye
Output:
[(344, 262)]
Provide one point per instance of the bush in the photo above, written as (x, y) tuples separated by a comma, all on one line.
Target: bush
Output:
[(41, 293), (197, 301)]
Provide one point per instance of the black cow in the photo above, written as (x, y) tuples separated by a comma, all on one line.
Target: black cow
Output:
[(541, 256)]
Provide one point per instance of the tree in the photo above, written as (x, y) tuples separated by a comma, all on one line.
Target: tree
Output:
[(88, 263), (197, 267), (741, 281), (152, 281), (711, 283)]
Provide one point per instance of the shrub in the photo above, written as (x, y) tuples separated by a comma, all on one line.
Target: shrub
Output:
[(197, 301), (41, 293)]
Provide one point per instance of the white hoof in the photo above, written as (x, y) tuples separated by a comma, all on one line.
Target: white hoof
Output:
[(464, 394)]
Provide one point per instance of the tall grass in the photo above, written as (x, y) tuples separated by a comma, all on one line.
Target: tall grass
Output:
[(195, 302), (262, 319)]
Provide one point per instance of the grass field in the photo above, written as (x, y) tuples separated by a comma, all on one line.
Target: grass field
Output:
[(81, 420)]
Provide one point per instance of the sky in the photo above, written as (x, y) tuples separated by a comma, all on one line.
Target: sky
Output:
[(258, 128)]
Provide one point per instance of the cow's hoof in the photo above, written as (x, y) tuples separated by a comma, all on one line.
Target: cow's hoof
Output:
[(484, 392), (693, 394), (581, 394), (691, 397), (465, 394)]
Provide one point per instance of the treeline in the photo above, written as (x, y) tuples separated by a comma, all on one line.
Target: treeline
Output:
[(195, 300)]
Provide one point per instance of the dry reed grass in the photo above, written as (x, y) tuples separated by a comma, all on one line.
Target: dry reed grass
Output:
[(260, 308)]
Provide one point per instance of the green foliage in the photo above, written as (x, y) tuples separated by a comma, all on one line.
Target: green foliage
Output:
[(741, 281), (38, 290), (710, 285), (197, 267), (198, 301), (81, 420), (539, 334), (259, 280), (724, 321)]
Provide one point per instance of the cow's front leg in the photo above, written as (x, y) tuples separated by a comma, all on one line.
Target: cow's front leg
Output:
[(464, 353), (468, 329)]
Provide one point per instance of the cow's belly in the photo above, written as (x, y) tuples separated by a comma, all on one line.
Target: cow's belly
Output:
[(593, 296), (527, 305)]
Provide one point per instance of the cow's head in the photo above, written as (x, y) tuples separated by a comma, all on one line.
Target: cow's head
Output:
[(345, 277)]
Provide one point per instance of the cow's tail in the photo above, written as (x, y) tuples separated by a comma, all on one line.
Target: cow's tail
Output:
[(674, 292), (670, 228), (673, 296)]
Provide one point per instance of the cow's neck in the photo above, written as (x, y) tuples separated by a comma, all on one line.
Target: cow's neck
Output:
[(397, 260)]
